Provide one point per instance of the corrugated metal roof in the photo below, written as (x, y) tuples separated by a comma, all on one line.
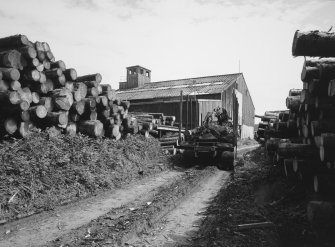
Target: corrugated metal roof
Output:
[(190, 86)]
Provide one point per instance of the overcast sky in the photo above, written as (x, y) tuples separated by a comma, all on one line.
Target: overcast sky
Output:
[(176, 38)]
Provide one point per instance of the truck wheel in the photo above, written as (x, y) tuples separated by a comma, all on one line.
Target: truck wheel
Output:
[(227, 158)]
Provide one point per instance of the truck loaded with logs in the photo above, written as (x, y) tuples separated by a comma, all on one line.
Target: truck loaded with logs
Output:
[(215, 140)]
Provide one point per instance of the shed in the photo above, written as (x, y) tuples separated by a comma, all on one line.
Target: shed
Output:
[(200, 95)]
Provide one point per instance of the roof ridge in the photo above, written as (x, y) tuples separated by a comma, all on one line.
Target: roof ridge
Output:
[(198, 77)]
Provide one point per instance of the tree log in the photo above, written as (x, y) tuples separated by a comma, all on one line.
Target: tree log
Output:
[(53, 73), (70, 74), (314, 44), (106, 87), (62, 99), (15, 85), (331, 88), (293, 103), (38, 111), (10, 74), (93, 77), (25, 94), (71, 129), (309, 73), (3, 86), (32, 75), (28, 52), (78, 107), (92, 128), (47, 103), (9, 125), (81, 88), (322, 126), (57, 118), (59, 65), (294, 92), (93, 91), (12, 59), (294, 150), (14, 41), (43, 77), (46, 65)]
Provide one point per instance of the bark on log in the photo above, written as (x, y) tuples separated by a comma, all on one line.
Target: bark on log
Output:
[(314, 44), (294, 92), (59, 65), (327, 72), (322, 126), (309, 73), (56, 118), (33, 63), (313, 62), (14, 41), (293, 103), (28, 52), (32, 75), (54, 72), (106, 87), (293, 150), (93, 77), (92, 92), (70, 74), (331, 88), (47, 103), (3, 86), (92, 128), (10, 74), (62, 99), (60, 80)]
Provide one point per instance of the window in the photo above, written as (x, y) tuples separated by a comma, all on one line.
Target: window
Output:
[(141, 71)]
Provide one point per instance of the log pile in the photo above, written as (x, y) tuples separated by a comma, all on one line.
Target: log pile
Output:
[(36, 90), (307, 152)]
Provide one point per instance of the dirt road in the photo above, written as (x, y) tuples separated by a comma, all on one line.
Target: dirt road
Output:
[(159, 211)]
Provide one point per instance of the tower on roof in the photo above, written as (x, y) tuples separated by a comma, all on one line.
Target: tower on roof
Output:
[(137, 76)]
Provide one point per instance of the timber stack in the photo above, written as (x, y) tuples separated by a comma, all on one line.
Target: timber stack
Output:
[(159, 126), (36, 90), (309, 155)]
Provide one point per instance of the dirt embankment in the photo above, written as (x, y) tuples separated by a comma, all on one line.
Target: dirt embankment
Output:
[(49, 169), (260, 193)]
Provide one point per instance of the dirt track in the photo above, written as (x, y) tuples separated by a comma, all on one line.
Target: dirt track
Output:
[(159, 211)]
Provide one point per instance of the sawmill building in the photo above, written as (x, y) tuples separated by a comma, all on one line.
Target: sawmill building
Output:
[(200, 95)]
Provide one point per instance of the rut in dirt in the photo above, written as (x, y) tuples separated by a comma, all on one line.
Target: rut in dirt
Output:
[(41, 228), (182, 223)]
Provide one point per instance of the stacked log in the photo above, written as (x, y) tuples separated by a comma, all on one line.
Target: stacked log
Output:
[(36, 90), (309, 155)]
